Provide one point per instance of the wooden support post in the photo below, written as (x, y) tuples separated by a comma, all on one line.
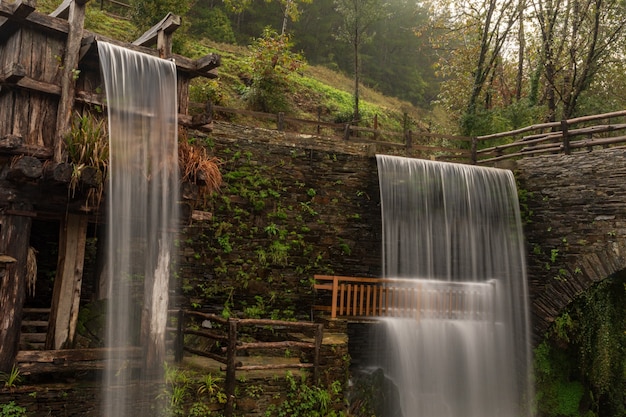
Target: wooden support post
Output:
[(231, 365), (564, 130), (474, 150), (68, 282), (319, 337), (76, 19), (179, 345), (161, 34), (14, 243), (280, 121)]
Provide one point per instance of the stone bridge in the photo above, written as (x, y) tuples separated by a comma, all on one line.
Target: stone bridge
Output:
[(575, 207)]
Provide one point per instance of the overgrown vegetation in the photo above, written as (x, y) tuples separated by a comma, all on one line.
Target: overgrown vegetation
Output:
[(306, 400), (581, 365), (191, 394)]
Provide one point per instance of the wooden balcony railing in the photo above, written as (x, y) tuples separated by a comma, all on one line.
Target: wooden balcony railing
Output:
[(411, 298)]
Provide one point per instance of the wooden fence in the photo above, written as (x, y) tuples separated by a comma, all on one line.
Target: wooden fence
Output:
[(411, 298), (412, 142), (566, 136), (226, 335)]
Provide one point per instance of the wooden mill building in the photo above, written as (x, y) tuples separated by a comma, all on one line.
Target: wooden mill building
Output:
[(49, 76)]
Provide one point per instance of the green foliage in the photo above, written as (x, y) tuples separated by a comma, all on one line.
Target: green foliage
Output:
[(306, 400), (580, 367), (11, 378), (271, 64), (12, 410), (181, 385), (147, 13), (212, 23)]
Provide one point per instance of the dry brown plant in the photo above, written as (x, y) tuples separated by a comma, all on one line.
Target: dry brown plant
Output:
[(198, 167)]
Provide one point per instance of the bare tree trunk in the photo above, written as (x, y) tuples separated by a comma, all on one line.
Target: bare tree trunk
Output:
[(14, 242), (357, 40), (521, 40)]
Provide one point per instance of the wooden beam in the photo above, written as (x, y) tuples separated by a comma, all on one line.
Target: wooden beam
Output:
[(63, 11), (76, 19), (68, 282), (14, 242), (21, 9), (207, 63), (167, 25)]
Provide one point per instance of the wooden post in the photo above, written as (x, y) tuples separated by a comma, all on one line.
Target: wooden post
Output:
[(280, 121), (231, 356), (14, 243), (564, 130), (319, 337), (180, 337), (76, 19), (319, 118), (68, 282), (474, 155)]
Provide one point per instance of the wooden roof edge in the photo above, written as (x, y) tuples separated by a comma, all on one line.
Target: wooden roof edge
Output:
[(21, 9), (201, 67), (168, 24), (63, 11)]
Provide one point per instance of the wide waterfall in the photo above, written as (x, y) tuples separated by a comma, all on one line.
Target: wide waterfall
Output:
[(455, 229), (142, 209)]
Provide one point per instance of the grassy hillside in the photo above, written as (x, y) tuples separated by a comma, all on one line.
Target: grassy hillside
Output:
[(311, 89)]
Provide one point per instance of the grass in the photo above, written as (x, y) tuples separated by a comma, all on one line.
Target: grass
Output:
[(312, 88)]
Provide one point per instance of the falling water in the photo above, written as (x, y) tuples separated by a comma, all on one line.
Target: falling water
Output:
[(141, 98), (455, 225)]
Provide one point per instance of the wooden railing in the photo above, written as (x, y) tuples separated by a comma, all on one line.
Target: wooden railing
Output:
[(566, 136), (226, 332), (413, 298)]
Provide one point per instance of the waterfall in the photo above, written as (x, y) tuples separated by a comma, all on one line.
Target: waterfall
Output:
[(142, 209), (448, 223)]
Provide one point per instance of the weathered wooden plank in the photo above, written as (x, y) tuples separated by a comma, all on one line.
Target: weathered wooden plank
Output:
[(76, 18), (68, 282), (63, 11), (14, 241), (167, 25)]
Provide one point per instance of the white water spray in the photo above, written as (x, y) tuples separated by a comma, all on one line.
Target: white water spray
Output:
[(458, 224), (142, 194)]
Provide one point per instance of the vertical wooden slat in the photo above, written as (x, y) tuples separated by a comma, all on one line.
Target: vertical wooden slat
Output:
[(361, 300), (76, 20), (231, 353), (68, 282), (333, 308), (368, 292), (342, 288), (348, 298)]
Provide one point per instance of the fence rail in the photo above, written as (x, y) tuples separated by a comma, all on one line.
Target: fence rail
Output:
[(227, 331), (412, 298), (566, 136)]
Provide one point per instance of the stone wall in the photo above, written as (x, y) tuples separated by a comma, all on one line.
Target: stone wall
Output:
[(575, 235), (291, 206)]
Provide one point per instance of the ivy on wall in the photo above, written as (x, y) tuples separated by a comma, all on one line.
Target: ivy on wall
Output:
[(580, 366)]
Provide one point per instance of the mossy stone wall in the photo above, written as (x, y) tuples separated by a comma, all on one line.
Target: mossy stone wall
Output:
[(291, 206)]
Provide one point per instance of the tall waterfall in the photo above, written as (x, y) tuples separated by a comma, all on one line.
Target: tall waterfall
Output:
[(142, 194), (449, 223)]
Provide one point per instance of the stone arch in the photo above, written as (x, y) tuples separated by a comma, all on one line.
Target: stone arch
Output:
[(576, 233)]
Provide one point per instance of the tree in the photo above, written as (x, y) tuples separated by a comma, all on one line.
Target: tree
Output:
[(473, 39), (358, 16), (578, 38), (271, 63), (147, 13)]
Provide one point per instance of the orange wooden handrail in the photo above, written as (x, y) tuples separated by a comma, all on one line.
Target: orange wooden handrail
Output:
[(415, 298)]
